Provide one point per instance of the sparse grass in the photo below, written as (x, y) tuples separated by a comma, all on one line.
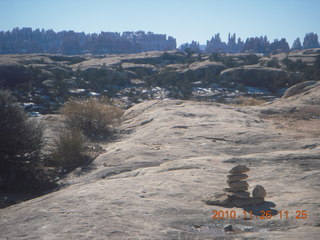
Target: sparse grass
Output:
[(249, 101), (69, 150), (94, 117)]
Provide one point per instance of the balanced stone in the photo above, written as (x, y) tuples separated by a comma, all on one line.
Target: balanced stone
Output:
[(236, 177), (235, 189), (259, 192), (239, 169), (239, 194), (238, 184)]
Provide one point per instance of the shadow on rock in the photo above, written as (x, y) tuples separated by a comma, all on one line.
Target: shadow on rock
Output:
[(261, 209)]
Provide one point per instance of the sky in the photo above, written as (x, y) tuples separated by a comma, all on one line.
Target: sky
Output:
[(186, 20)]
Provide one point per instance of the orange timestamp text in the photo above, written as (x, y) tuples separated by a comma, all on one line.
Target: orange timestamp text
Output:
[(268, 214)]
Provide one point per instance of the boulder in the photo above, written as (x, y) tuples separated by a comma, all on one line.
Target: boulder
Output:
[(256, 76), (205, 68)]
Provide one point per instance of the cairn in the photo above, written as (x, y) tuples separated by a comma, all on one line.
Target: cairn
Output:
[(236, 194), (237, 187)]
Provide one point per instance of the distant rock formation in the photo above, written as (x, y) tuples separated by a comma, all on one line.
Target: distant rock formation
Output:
[(311, 41), (26, 40), (215, 45), (193, 47), (279, 46), (255, 44), (296, 45)]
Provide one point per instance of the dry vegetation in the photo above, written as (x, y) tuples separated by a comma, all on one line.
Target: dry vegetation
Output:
[(70, 149), (249, 101), (85, 120), (94, 117)]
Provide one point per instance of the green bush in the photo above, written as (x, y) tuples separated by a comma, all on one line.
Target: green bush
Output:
[(94, 117), (20, 138), (69, 150)]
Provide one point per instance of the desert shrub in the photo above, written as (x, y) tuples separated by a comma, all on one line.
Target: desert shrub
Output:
[(20, 138), (69, 149), (249, 101), (94, 117)]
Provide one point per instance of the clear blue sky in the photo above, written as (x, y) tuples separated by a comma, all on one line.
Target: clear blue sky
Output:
[(185, 20)]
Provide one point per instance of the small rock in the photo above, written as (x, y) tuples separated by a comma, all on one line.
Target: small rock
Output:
[(235, 189), (259, 192), (239, 194), (239, 169), (238, 184), (227, 228), (236, 177)]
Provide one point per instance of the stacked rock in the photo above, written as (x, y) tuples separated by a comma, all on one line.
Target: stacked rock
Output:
[(237, 195), (237, 187)]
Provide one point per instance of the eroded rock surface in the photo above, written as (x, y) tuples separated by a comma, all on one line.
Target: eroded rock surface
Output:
[(167, 156)]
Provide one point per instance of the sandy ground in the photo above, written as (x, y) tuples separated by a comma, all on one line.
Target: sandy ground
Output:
[(166, 157)]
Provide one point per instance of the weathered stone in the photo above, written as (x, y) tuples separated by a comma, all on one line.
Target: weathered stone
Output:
[(239, 169), (238, 184), (239, 194), (235, 189), (259, 192), (236, 177)]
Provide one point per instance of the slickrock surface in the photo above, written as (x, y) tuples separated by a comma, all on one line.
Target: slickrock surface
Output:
[(168, 155)]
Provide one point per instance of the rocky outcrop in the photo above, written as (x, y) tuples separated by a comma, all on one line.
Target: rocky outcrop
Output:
[(202, 69), (300, 88), (256, 76), (145, 68), (301, 100)]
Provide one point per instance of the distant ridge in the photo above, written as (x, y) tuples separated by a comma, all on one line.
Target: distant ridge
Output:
[(27, 40), (251, 45)]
